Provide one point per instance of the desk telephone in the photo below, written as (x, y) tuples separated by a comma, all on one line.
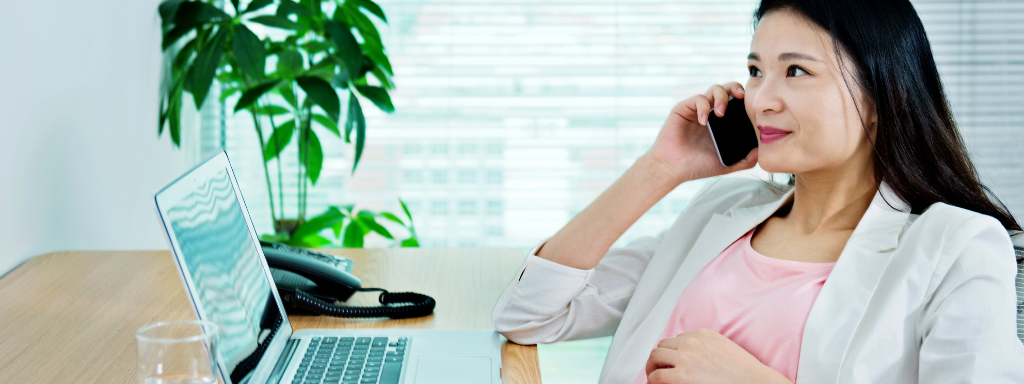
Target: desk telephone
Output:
[(311, 281)]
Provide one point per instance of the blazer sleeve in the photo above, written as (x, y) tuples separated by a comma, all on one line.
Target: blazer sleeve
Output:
[(548, 302), (967, 328)]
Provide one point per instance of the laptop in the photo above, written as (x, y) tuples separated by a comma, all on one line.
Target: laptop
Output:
[(217, 251)]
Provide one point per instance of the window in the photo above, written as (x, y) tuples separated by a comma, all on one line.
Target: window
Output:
[(537, 107), (467, 208), (439, 177), (413, 177), (494, 208), (412, 149), (494, 177), (467, 177), (439, 208)]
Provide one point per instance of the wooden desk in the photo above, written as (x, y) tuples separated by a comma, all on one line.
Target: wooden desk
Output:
[(70, 317)]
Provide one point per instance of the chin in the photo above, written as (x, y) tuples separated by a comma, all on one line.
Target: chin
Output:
[(773, 163)]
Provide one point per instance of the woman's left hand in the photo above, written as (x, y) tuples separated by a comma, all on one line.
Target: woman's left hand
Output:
[(705, 356)]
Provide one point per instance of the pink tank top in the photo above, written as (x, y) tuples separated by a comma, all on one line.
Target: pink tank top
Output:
[(758, 302)]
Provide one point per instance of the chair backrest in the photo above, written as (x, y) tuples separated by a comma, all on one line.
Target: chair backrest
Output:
[(1019, 250), (1017, 237)]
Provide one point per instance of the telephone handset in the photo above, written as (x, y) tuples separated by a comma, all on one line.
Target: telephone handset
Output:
[(313, 281)]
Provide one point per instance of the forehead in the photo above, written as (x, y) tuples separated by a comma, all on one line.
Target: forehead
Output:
[(785, 30)]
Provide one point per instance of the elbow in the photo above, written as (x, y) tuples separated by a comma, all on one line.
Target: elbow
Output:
[(524, 335), (519, 330)]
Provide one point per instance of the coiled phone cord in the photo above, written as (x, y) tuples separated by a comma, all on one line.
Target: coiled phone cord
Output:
[(419, 305)]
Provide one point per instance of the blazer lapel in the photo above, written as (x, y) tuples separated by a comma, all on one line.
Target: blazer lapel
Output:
[(843, 299), (721, 231)]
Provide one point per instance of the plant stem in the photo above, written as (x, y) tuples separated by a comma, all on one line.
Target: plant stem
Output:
[(280, 186), (266, 173)]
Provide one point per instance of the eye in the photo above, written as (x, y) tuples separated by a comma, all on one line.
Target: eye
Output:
[(752, 69), (793, 68)]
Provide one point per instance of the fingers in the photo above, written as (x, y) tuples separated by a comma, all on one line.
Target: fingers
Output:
[(715, 99), (660, 358), (703, 108), (747, 162), (719, 98), (736, 89)]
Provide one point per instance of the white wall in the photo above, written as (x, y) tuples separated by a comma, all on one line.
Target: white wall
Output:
[(80, 159)]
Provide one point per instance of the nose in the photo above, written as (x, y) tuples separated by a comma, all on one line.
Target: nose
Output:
[(764, 98)]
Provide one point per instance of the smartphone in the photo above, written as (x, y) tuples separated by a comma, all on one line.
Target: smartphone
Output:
[(733, 133)]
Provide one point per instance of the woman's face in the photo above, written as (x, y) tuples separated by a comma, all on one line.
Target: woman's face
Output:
[(796, 88)]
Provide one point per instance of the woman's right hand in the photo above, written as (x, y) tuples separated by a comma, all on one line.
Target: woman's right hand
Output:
[(684, 148)]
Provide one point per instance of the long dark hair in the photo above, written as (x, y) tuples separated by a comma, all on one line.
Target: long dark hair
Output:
[(918, 150)]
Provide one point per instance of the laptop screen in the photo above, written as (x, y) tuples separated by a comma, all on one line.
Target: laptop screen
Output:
[(231, 287)]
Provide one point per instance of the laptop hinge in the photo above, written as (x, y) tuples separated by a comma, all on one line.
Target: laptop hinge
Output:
[(282, 361)]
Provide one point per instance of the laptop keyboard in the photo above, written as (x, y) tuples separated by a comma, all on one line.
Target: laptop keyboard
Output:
[(352, 360)]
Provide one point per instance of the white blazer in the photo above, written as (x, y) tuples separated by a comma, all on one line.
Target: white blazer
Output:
[(913, 298)]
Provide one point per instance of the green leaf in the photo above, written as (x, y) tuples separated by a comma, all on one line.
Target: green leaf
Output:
[(249, 52), (228, 92), (288, 93), (341, 79), (287, 7), (276, 237), (276, 22), (315, 46), (355, 117), (338, 226), (319, 223), (250, 95), (379, 97), (229, 77), (410, 243), (350, 118), (311, 241), (279, 140), (205, 66), (314, 157), (373, 8), (354, 235), (367, 219), (381, 59), (322, 93), (194, 13), (166, 99), (257, 4), (174, 119), (181, 59), (347, 49), (365, 27), (167, 10), (409, 215), (392, 217), (383, 77), (326, 122), (172, 36), (273, 110), (289, 63)]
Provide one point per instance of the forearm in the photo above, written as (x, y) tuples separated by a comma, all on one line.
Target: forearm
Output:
[(587, 237)]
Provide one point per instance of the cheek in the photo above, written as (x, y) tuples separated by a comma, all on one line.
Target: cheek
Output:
[(820, 141)]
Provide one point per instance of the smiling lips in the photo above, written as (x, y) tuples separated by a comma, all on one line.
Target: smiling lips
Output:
[(771, 134)]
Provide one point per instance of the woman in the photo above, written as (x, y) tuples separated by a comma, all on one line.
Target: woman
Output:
[(884, 205)]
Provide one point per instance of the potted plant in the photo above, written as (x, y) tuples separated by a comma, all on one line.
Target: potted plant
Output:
[(321, 48)]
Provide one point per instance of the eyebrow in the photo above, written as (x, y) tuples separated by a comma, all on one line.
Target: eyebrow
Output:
[(786, 56)]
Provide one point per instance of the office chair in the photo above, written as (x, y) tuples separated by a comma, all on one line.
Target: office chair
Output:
[(1019, 250)]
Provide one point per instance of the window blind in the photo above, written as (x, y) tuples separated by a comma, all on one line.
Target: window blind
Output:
[(511, 117)]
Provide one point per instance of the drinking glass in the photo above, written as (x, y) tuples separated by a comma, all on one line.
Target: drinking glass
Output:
[(178, 352)]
